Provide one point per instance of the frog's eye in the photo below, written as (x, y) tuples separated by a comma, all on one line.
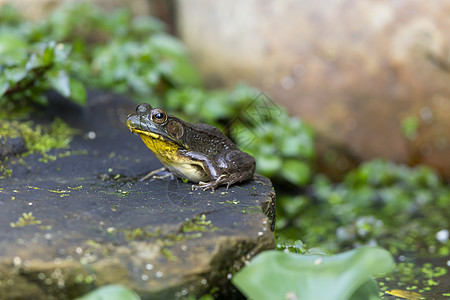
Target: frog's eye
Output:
[(159, 116), (143, 108)]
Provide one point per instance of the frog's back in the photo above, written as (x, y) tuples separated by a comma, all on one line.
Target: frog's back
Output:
[(209, 139)]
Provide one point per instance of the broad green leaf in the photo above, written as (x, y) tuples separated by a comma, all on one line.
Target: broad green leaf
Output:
[(296, 171), (60, 81), (278, 275), (77, 91), (167, 44), (4, 85), (268, 165), (368, 291), (12, 46), (111, 292), (33, 62), (49, 54), (15, 75)]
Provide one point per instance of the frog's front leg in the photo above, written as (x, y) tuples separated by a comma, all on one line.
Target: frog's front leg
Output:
[(234, 166), (153, 173)]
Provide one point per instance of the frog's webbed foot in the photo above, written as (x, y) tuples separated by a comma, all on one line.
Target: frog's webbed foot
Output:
[(228, 179), (154, 174), (213, 184)]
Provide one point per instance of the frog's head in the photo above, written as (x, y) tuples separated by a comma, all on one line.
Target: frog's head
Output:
[(154, 124)]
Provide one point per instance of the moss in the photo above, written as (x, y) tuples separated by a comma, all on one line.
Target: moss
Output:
[(37, 138), (25, 220), (75, 187), (198, 223), (190, 229)]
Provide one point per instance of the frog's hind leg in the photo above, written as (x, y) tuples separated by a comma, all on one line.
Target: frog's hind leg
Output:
[(246, 168), (228, 179)]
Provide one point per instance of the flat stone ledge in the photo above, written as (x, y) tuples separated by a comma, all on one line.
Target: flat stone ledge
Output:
[(83, 220)]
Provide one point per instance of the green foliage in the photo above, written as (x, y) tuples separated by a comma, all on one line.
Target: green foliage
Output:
[(278, 275), (111, 292), (211, 106), (395, 206), (81, 45), (28, 75), (283, 148)]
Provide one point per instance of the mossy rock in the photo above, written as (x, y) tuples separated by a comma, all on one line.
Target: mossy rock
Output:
[(83, 220)]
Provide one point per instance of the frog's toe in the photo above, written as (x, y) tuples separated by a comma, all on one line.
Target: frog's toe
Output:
[(234, 178), (204, 186), (213, 184)]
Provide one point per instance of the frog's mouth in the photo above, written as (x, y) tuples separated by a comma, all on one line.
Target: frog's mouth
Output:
[(153, 135), (147, 133)]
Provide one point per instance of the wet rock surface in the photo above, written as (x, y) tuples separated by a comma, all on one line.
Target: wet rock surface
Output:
[(84, 220)]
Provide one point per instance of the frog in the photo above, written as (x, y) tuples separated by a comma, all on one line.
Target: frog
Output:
[(199, 153)]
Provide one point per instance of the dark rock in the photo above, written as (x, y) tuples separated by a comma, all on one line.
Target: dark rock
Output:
[(11, 146), (88, 222)]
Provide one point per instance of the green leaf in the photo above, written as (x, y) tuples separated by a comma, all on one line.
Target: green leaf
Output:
[(15, 75), (4, 85), (12, 46), (33, 62), (60, 81), (111, 292), (278, 275), (368, 291), (268, 165), (77, 91), (296, 171), (49, 54)]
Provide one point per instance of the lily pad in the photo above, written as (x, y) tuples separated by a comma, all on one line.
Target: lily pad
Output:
[(279, 275), (111, 292)]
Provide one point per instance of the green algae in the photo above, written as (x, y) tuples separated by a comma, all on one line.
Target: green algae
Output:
[(409, 276), (37, 138), (25, 220), (199, 224), (190, 229)]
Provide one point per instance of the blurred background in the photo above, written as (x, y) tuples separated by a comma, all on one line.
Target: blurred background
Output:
[(359, 137)]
